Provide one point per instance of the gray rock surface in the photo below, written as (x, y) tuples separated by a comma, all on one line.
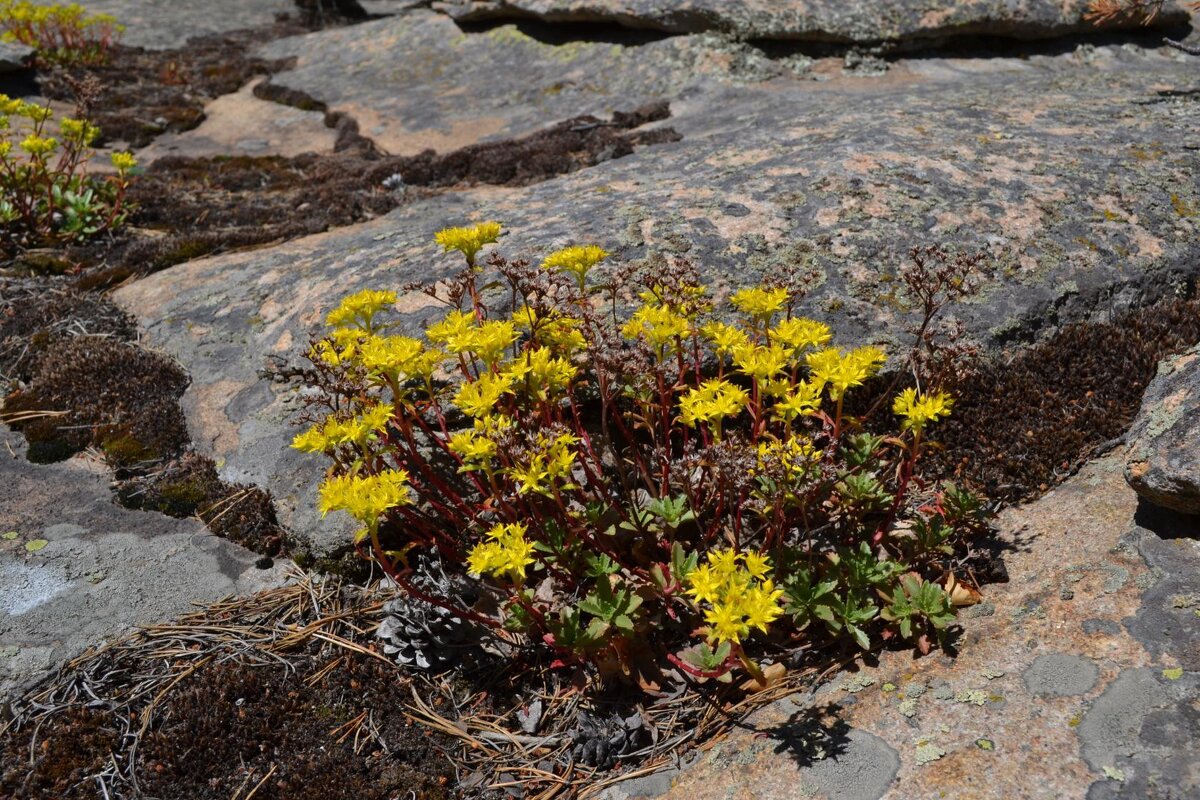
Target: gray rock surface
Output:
[(76, 569), (13, 56), (814, 20), (167, 24), (1060, 675), (1072, 172), (863, 769), (415, 81), (1163, 460)]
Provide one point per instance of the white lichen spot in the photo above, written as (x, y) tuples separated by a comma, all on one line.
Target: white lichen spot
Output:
[(926, 751), (1114, 774)]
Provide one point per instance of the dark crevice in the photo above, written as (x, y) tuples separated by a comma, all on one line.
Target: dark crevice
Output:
[(973, 41), (560, 33)]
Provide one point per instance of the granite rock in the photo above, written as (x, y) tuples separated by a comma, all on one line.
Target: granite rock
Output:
[(168, 24), (14, 56), (1163, 459), (76, 569)]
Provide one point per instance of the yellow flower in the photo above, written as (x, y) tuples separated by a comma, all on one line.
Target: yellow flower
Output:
[(454, 331), (507, 554), (123, 162), (333, 432), (540, 372), (842, 372), (548, 467), (799, 333), (725, 338), (577, 260), (398, 357), (712, 402), (39, 146), (475, 449), (359, 309), (490, 341), (468, 241), (659, 325), (740, 596), (366, 498), (760, 302), (803, 400), (81, 131), (919, 410), (478, 398), (760, 363)]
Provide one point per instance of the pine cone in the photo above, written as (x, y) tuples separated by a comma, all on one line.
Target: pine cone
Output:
[(425, 636), (599, 741)]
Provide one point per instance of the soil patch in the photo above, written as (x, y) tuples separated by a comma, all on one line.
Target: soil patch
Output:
[(144, 93), (1024, 424), (224, 701)]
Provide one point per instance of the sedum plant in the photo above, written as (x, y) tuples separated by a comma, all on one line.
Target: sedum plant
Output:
[(637, 475), (60, 34), (46, 194)]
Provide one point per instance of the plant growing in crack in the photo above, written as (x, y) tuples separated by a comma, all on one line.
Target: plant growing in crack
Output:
[(59, 33), (46, 194), (638, 478)]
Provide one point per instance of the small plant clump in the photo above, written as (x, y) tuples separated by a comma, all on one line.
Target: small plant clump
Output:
[(60, 34), (676, 486), (46, 194)]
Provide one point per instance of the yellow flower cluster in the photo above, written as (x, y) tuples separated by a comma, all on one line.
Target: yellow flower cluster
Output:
[(507, 554), (359, 309), (725, 339), (798, 333), (577, 261), (540, 373), (365, 497), (39, 146), (841, 371), (478, 398), (17, 13), (468, 241), (760, 302), (740, 595), (799, 399), (398, 358), (552, 330), (712, 402), (123, 162), (919, 410), (661, 326), (548, 467), (332, 433)]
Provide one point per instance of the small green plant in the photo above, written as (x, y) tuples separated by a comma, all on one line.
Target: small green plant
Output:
[(676, 484), (45, 193), (60, 34)]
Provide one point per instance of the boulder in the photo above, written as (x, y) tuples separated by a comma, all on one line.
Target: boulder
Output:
[(415, 81), (1073, 173), (1163, 459), (76, 569), (168, 24), (14, 56), (862, 21)]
